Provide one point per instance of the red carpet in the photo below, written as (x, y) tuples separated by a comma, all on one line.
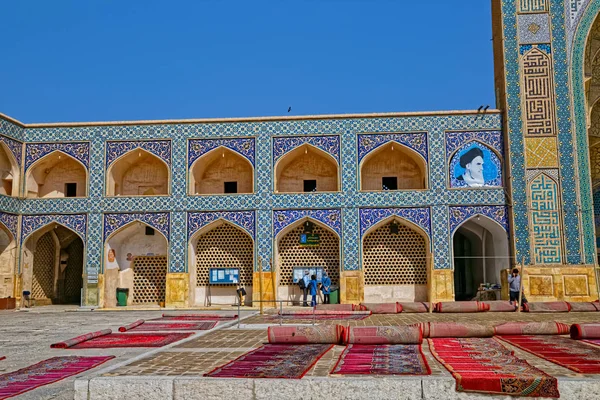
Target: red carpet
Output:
[(417, 307), (318, 334), (132, 340), (531, 328), (320, 317), (336, 307), (45, 372), (381, 308), (131, 326), (195, 317), (399, 359), (383, 335), (560, 350), (323, 312), (2, 358), (461, 307), (273, 361), (175, 326), (548, 306), (483, 365), (584, 307), (79, 339), (454, 330), (500, 306), (595, 342), (585, 331)]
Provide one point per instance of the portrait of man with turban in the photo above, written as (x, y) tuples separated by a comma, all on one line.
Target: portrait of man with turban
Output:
[(472, 162)]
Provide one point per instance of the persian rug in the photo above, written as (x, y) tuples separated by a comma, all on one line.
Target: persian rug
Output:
[(336, 307), (584, 307), (175, 326), (532, 328), (454, 330), (45, 372), (500, 306), (323, 312), (585, 331), (547, 306), (595, 342), (317, 334), (381, 308), (461, 307), (564, 351), (383, 335), (386, 359), (195, 317), (131, 326), (319, 317), (273, 361), (80, 339), (416, 307), (484, 365), (132, 340)]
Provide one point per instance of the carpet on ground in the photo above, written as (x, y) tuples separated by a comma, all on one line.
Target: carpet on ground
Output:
[(336, 307), (131, 326), (132, 340), (454, 330), (532, 328), (79, 339), (547, 306), (500, 306), (560, 350), (273, 361), (323, 312), (403, 334), (585, 331), (381, 308), (414, 307), (195, 317), (460, 307), (584, 307), (385, 359), (317, 334), (175, 326), (319, 317), (484, 365), (45, 372)]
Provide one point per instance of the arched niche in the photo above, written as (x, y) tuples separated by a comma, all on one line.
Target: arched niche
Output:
[(9, 172), (56, 175), (52, 262), (479, 253), (136, 258), (289, 253), (393, 165), (221, 171), (220, 244), (138, 173), (306, 167), (8, 258), (396, 259)]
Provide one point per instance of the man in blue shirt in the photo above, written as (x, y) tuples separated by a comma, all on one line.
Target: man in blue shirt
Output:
[(306, 279), (326, 287), (514, 285)]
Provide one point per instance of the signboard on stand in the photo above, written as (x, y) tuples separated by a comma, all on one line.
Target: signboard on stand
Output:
[(298, 273), (223, 276)]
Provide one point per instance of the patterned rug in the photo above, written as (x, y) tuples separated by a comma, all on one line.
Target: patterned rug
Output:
[(273, 361), (564, 351), (45, 372), (132, 340), (175, 326), (395, 359), (547, 306), (195, 317), (484, 365), (318, 317), (531, 328)]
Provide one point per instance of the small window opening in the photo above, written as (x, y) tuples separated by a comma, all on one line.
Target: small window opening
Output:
[(230, 187), (389, 183), (310, 185), (70, 190), (149, 231)]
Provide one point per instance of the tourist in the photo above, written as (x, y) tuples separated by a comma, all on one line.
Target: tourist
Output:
[(313, 290), (514, 282), (326, 287), (306, 281), (472, 162)]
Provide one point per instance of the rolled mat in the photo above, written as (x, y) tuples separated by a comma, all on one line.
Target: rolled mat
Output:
[(336, 307), (318, 334), (414, 307), (454, 330), (131, 326), (500, 306), (199, 316), (531, 328), (585, 331), (383, 335), (547, 306), (79, 339), (584, 307), (381, 308), (323, 312), (461, 307)]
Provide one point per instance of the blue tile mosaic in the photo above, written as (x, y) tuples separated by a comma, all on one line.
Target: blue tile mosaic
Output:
[(370, 217), (283, 218), (198, 147), (160, 148), (159, 221), (458, 215), (11, 223), (329, 144), (75, 222), (414, 141), (242, 219), (14, 146), (78, 150)]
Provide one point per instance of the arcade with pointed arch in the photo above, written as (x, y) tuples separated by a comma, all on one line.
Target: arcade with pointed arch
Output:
[(221, 171), (56, 175), (138, 173), (306, 169)]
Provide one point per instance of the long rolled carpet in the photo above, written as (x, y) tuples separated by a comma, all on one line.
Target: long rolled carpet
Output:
[(196, 317), (175, 326), (532, 328), (584, 307), (336, 307), (45, 372), (131, 340), (414, 307), (383, 335), (585, 331), (566, 352), (483, 365), (273, 361), (500, 306), (79, 339), (319, 317), (137, 323), (461, 307), (381, 308), (547, 307), (324, 312), (386, 359), (454, 330), (317, 334)]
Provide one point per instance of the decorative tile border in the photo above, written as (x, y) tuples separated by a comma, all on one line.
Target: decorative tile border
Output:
[(370, 142), (455, 160), (372, 216), (243, 219), (75, 222), (458, 215), (243, 146), (78, 150), (283, 218), (159, 221), (116, 149), (15, 147), (11, 222), (493, 139), (283, 145)]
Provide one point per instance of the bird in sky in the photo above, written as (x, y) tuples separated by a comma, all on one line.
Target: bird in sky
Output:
[(289, 109)]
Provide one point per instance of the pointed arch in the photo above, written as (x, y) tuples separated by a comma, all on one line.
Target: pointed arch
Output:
[(210, 172), (306, 162), (138, 172), (49, 176), (8, 258), (10, 172)]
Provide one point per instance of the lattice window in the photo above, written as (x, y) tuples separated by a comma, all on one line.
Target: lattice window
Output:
[(545, 220), (149, 279), (42, 286), (74, 271), (326, 254), (538, 93), (224, 247), (394, 259)]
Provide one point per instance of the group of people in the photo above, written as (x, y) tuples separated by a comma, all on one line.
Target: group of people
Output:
[(310, 285)]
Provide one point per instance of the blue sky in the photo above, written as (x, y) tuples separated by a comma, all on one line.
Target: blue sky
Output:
[(128, 60)]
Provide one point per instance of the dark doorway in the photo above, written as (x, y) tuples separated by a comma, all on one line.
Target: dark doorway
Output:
[(310, 185), (463, 268), (231, 187), (149, 231), (70, 190), (389, 183)]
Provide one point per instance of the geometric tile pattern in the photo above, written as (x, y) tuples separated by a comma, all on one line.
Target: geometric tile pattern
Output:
[(534, 28), (198, 147), (160, 148), (329, 144), (80, 151), (545, 220), (243, 219), (158, 221), (538, 91), (541, 152), (283, 218), (75, 222), (526, 6), (372, 216), (415, 141), (10, 222), (458, 215), (15, 147)]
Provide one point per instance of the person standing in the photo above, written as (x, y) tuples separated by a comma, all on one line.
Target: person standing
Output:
[(313, 290), (514, 284), (306, 280), (326, 287)]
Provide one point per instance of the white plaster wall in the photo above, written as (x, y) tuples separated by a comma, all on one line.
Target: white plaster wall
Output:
[(393, 293), (8, 255), (133, 239), (149, 174), (210, 174)]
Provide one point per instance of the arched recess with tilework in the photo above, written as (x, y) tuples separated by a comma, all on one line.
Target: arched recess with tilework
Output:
[(221, 171), (393, 166), (306, 169), (10, 172), (8, 261), (220, 244), (396, 261), (136, 258), (56, 175), (138, 173)]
